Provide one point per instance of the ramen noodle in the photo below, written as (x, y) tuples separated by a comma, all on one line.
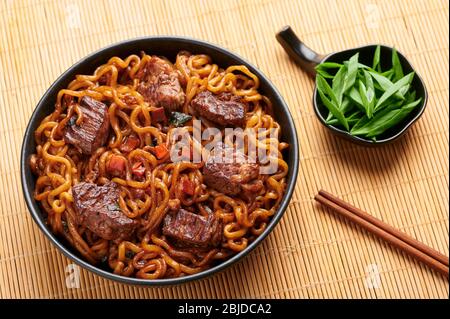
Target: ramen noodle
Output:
[(107, 182)]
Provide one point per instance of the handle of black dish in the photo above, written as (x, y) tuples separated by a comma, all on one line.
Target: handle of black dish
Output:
[(298, 51)]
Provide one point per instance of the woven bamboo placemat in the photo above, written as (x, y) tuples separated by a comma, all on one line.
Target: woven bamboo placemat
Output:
[(311, 253)]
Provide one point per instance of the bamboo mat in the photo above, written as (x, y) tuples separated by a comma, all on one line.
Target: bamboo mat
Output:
[(311, 253)]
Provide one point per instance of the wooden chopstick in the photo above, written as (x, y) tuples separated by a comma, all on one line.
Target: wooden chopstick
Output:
[(393, 231), (412, 247)]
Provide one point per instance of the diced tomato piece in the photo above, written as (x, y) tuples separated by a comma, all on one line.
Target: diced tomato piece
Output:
[(158, 115), (188, 187), (131, 142), (160, 151), (138, 169), (116, 165)]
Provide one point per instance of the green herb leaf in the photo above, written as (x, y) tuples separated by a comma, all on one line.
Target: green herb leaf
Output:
[(359, 124), (363, 99), (328, 65), (325, 74), (410, 97), (332, 121), (383, 120), (396, 65), (403, 90), (385, 84), (368, 81), (332, 107), (351, 73), (364, 120), (371, 97), (394, 88), (365, 125), (338, 84), (360, 66), (324, 87), (353, 94), (399, 116), (376, 59), (178, 119), (388, 74), (346, 106), (363, 95), (351, 119)]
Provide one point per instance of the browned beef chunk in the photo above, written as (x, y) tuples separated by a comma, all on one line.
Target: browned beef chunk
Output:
[(93, 131), (187, 229), (226, 170), (160, 85), (251, 190), (98, 209), (223, 109), (164, 92), (154, 67)]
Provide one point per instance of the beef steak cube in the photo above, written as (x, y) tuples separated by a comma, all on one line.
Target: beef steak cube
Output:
[(160, 85), (190, 230), (227, 170), (223, 109), (165, 92), (93, 131), (154, 67), (97, 209)]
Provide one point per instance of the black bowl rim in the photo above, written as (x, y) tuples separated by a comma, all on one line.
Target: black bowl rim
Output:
[(293, 169), (360, 140)]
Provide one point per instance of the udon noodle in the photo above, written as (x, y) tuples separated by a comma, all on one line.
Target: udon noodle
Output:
[(148, 253)]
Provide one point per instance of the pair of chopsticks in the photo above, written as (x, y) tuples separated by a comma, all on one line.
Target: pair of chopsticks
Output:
[(400, 240)]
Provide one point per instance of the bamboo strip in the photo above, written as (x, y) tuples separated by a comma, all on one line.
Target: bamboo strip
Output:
[(310, 254)]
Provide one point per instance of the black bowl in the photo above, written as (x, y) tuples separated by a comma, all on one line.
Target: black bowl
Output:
[(169, 47), (308, 60)]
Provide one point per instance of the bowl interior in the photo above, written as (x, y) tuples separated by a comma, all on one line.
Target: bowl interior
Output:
[(168, 47), (366, 54)]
